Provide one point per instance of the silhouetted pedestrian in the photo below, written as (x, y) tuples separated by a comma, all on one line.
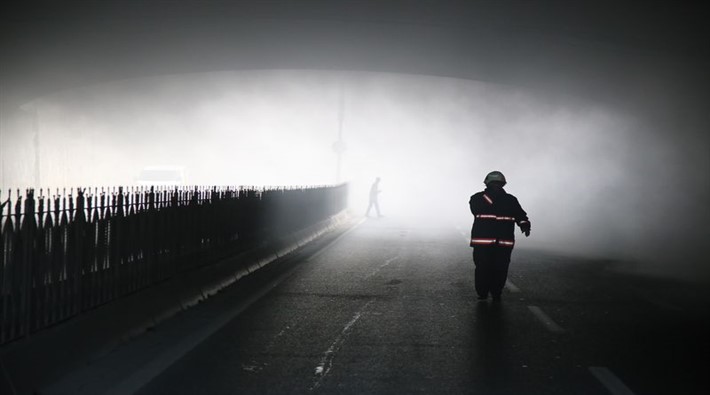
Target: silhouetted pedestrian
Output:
[(374, 192), (492, 235)]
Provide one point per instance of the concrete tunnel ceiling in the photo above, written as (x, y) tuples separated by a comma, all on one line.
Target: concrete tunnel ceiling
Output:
[(646, 61), (49, 46)]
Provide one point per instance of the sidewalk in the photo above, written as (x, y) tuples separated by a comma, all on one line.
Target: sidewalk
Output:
[(47, 355)]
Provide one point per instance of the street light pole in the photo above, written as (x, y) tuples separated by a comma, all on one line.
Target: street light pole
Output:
[(339, 145)]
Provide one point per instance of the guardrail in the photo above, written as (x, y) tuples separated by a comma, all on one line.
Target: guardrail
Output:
[(65, 254)]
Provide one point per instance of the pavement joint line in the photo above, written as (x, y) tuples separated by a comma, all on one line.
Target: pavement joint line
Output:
[(326, 362), (337, 239), (511, 287), (152, 369), (546, 320), (610, 381)]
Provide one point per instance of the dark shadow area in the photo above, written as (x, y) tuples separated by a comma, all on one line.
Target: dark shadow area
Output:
[(490, 350)]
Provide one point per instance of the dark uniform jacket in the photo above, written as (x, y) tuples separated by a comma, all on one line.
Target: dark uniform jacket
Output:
[(495, 215)]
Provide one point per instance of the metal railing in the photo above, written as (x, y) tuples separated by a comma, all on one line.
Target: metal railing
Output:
[(71, 252)]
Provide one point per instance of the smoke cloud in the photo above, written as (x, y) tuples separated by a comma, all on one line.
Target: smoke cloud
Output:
[(595, 178)]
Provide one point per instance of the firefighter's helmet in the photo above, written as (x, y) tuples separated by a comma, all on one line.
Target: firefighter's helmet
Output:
[(494, 176)]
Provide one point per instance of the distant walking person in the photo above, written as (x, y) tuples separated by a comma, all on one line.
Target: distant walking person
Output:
[(492, 235), (374, 191)]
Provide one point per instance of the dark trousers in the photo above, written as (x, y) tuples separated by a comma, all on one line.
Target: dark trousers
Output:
[(491, 269), (373, 203)]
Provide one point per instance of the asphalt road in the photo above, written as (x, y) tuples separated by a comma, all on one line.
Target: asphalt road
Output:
[(389, 307)]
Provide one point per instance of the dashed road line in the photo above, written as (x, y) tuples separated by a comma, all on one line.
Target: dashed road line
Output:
[(387, 262), (511, 287), (326, 362), (546, 320), (610, 381)]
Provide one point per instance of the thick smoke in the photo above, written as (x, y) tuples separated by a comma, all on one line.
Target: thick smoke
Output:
[(595, 179)]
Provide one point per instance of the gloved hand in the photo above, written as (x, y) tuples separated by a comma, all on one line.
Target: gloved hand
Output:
[(525, 227)]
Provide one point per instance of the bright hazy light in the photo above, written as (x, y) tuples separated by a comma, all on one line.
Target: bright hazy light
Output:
[(588, 176)]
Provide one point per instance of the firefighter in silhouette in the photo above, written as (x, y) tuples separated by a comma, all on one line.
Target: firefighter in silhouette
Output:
[(492, 236), (374, 191)]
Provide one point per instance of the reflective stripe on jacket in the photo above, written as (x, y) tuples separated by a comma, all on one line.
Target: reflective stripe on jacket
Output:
[(487, 242), (495, 215)]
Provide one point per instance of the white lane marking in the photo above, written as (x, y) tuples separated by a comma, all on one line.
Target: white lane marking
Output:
[(511, 287), (387, 262), (160, 363), (546, 320), (337, 239), (610, 381), (326, 362)]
